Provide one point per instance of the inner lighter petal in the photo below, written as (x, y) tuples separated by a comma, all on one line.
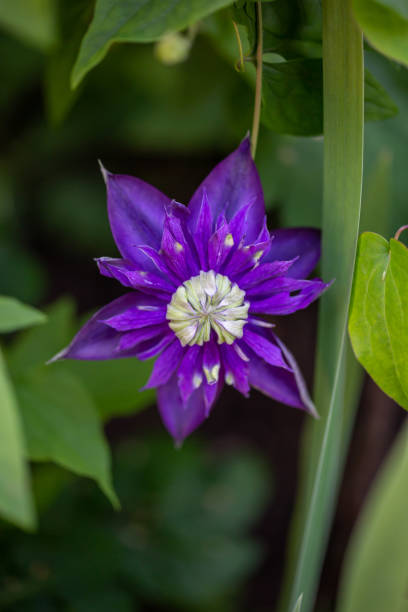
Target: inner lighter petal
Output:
[(205, 302)]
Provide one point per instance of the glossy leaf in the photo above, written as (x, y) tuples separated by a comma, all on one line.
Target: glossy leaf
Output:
[(15, 315), (15, 496), (135, 21), (385, 25), (378, 324), (375, 567), (293, 98), (61, 425)]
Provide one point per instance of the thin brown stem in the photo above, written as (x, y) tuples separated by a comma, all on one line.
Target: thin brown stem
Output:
[(399, 232), (240, 64), (258, 84)]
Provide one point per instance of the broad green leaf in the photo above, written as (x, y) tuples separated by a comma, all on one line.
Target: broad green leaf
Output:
[(385, 25), (36, 346), (377, 326), (135, 21), (375, 567), (61, 425), (15, 315), (115, 385), (34, 21), (15, 496), (293, 98)]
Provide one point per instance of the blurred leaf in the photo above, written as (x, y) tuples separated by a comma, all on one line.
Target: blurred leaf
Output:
[(298, 604), (293, 98), (385, 25), (171, 547), (16, 315), (15, 496), (378, 104), (22, 274), (135, 21), (115, 385), (33, 21), (375, 567), (377, 326), (74, 18), (36, 346), (61, 425)]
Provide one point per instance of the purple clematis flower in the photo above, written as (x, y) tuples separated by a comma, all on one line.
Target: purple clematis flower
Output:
[(201, 279)]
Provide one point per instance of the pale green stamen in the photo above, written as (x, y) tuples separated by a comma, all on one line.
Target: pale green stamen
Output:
[(204, 302)]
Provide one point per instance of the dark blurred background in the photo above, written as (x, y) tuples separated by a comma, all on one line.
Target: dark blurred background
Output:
[(204, 528)]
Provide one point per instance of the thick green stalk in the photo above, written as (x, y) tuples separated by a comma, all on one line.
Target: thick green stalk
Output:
[(343, 94)]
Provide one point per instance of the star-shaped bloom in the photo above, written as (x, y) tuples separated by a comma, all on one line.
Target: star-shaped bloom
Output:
[(203, 282)]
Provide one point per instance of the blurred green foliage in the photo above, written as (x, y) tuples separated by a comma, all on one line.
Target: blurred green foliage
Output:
[(180, 542)]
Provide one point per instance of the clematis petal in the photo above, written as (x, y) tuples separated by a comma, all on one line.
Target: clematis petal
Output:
[(96, 340), (190, 374), (264, 272), (165, 364), (211, 362), (138, 315), (264, 346), (203, 231), (302, 242), (179, 418), (236, 368), (284, 303), (132, 339), (232, 184), (136, 213), (129, 276)]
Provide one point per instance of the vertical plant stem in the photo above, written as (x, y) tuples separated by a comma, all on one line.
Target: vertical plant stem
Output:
[(343, 96), (258, 83)]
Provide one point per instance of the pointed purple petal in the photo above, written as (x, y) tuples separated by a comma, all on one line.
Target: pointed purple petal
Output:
[(136, 213), (127, 274), (138, 315), (165, 364), (236, 368), (179, 418), (284, 303), (190, 373), (211, 362), (203, 231), (264, 347), (232, 184), (219, 246), (132, 339), (264, 272), (302, 242), (151, 348), (96, 340)]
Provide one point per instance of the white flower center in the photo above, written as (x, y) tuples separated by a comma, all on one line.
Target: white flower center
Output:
[(204, 302)]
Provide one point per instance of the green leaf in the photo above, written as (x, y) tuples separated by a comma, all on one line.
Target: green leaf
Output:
[(298, 604), (61, 425), (36, 346), (74, 18), (385, 25), (293, 98), (375, 568), (115, 385), (15, 496), (31, 20), (16, 315), (378, 326), (326, 440), (135, 21)]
